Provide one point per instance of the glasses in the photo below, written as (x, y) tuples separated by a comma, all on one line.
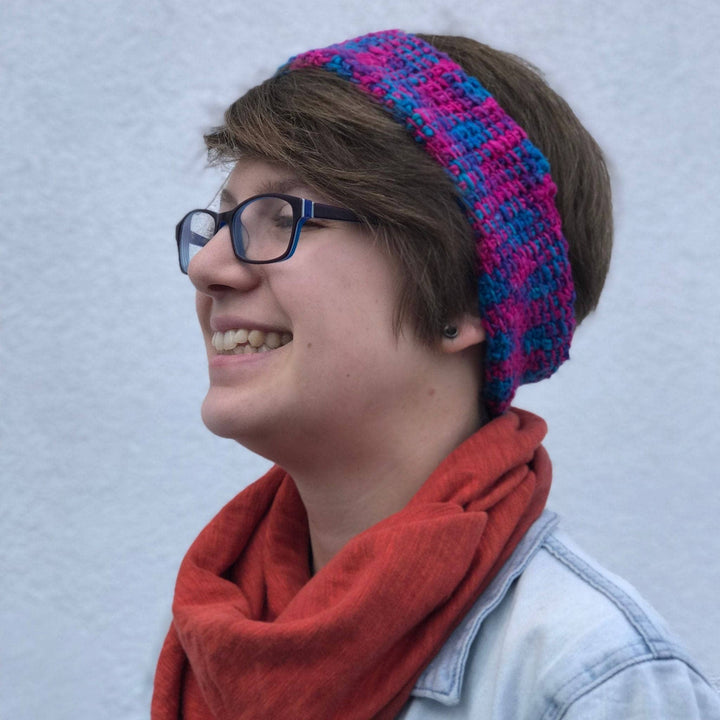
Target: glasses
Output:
[(263, 228)]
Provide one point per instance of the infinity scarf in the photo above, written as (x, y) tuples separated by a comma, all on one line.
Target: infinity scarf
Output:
[(254, 635)]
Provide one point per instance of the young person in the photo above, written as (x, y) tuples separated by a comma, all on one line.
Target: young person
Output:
[(390, 260)]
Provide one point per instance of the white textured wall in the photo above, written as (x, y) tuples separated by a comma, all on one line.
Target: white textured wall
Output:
[(107, 473)]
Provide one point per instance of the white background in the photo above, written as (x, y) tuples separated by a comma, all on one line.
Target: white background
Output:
[(106, 472)]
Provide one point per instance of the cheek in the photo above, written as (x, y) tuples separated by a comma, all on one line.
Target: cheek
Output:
[(357, 285), (349, 313)]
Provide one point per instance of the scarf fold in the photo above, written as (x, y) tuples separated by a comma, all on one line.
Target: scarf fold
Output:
[(255, 636)]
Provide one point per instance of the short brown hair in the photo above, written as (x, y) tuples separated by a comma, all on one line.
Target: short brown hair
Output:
[(350, 150)]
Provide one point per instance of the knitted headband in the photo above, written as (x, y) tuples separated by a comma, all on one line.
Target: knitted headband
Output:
[(525, 288)]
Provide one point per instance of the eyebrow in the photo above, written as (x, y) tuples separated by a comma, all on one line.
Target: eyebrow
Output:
[(283, 186), (227, 199)]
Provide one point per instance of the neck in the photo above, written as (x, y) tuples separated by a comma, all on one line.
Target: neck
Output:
[(342, 502), (356, 480)]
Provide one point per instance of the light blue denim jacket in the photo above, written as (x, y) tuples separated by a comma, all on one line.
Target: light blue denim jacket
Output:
[(556, 636)]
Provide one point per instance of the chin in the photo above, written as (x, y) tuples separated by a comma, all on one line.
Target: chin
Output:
[(228, 418), (222, 417), (217, 424)]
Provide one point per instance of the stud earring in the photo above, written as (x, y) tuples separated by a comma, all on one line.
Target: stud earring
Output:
[(450, 331)]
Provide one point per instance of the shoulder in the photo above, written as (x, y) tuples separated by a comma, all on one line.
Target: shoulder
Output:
[(557, 636)]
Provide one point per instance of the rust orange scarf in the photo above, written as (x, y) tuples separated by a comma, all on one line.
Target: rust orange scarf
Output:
[(255, 636)]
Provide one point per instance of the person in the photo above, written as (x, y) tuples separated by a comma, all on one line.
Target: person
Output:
[(390, 260)]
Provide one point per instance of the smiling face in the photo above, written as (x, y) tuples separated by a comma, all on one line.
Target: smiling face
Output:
[(329, 370)]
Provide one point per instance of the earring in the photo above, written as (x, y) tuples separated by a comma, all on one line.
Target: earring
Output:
[(450, 331)]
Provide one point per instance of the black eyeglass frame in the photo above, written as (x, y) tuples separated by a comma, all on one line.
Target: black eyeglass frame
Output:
[(302, 208)]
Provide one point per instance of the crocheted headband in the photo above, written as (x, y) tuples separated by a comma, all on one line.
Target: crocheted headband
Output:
[(525, 288)]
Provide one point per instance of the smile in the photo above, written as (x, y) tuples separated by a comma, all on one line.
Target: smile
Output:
[(240, 342)]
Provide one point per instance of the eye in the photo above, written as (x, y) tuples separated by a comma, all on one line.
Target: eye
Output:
[(283, 219), (312, 224)]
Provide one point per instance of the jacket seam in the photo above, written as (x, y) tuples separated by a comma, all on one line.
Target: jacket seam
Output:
[(617, 596), (559, 711)]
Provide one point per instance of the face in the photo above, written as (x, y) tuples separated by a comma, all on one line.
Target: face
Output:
[(341, 375)]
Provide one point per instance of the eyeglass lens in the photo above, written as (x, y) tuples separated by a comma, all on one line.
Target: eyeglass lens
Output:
[(196, 230), (261, 230)]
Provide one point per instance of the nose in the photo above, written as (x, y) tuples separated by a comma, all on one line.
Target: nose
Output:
[(215, 269)]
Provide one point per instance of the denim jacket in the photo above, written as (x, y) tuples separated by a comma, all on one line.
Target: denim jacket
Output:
[(556, 636)]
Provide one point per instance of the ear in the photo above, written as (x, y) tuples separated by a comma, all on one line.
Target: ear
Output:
[(470, 333)]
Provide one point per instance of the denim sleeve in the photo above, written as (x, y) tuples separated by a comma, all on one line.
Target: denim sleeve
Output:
[(658, 689)]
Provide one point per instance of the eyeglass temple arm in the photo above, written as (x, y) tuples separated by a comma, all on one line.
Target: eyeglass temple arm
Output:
[(328, 212)]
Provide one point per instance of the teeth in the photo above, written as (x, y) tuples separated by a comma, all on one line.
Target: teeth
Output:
[(256, 338), (240, 342)]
